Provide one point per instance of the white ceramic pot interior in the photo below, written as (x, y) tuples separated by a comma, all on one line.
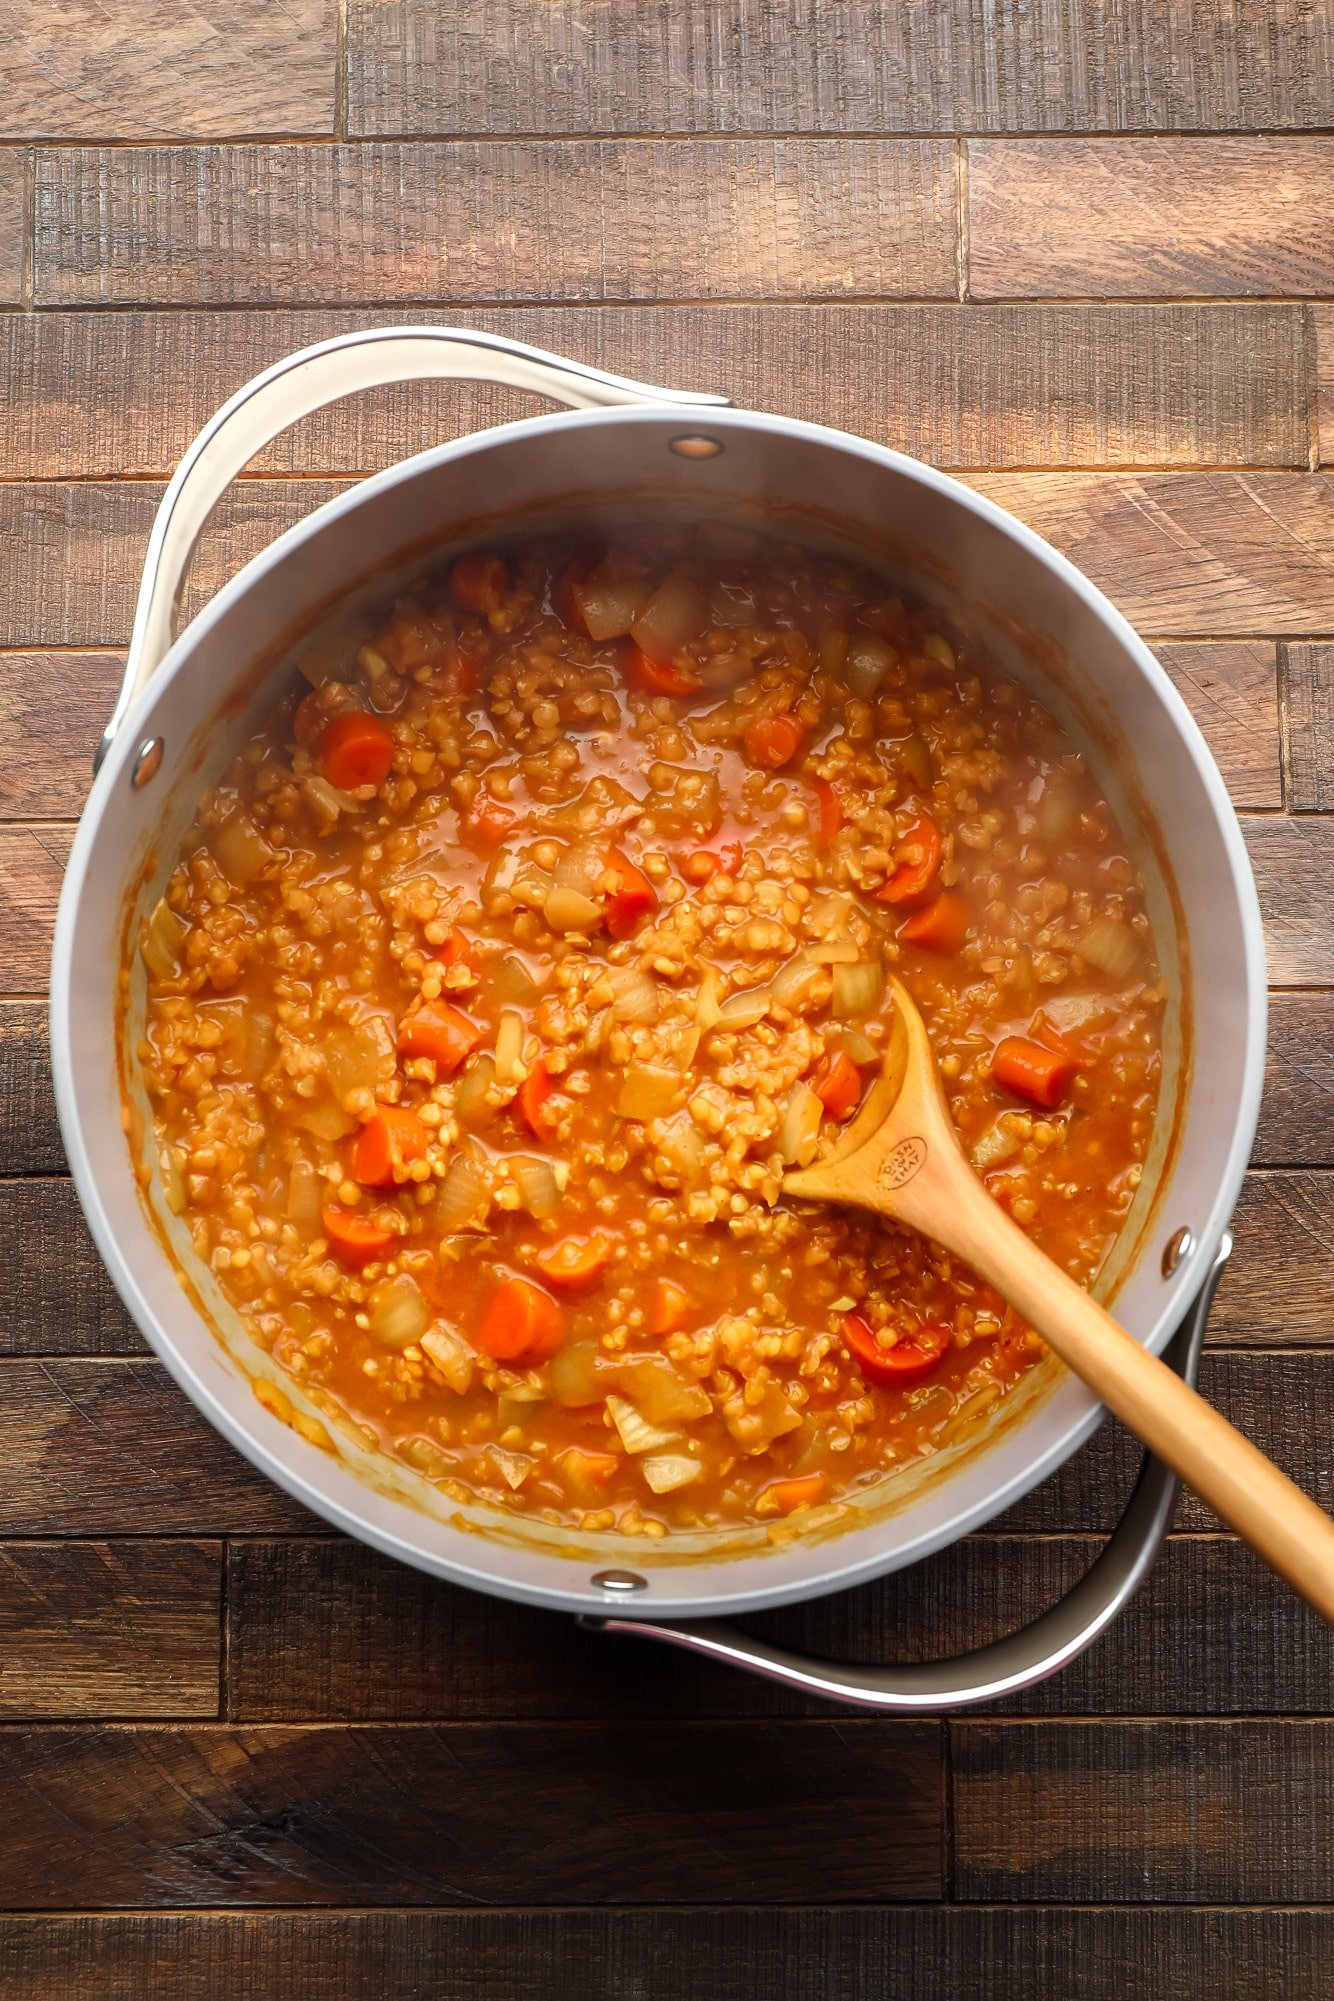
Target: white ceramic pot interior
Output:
[(1042, 620)]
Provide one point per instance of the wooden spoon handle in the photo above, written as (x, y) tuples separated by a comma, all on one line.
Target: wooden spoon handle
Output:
[(1224, 1468)]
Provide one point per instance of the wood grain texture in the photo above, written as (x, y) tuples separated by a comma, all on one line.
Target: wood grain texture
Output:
[(1294, 873), (56, 705), (1150, 218), (55, 1295), (806, 1955), (130, 1629), (13, 225), (1283, 1226), (314, 1627), (1306, 688), (1322, 321), (32, 866), (1222, 554), (462, 1813), (185, 71), (29, 1133), (1297, 1111), (821, 66), (706, 219), (110, 393), (107, 1448), (1143, 1812), (1232, 692)]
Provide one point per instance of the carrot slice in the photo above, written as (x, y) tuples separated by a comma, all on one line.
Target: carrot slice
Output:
[(457, 950), (632, 898), (915, 873), (802, 1492), (911, 1356), (838, 1085), (394, 1138), (355, 750), (773, 741), (487, 820), (478, 581), (521, 1322), (1032, 1070), (437, 1030), (354, 1238), (831, 811), (655, 677), (669, 1307), (534, 1092), (940, 926), (575, 1262)]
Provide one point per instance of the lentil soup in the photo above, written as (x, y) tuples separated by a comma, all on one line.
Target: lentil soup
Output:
[(544, 925)]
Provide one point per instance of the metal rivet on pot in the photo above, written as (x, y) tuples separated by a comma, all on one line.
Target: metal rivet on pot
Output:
[(1177, 1249), (695, 447), (147, 762), (622, 1581)]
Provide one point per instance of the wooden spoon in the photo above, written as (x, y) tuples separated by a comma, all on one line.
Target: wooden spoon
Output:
[(901, 1156)]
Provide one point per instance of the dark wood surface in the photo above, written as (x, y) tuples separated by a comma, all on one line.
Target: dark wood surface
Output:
[(1079, 253)]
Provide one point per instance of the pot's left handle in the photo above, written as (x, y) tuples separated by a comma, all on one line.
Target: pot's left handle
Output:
[(303, 383)]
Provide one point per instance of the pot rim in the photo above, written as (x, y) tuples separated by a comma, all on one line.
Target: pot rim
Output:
[(286, 1471)]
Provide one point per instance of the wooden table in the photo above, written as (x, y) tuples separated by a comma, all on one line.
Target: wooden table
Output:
[(1073, 252)]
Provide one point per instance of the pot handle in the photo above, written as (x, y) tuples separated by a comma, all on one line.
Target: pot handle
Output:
[(1050, 1642), (303, 383)]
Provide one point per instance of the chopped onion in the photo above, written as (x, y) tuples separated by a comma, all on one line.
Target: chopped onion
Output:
[(240, 850), (582, 866), (995, 1145), (683, 1146), (326, 659), (835, 952), (676, 611), (637, 1434), (359, 1057), (569, 910), (800, 1130), (513, 1467), (915, 758), (635, 995), (462, 1191), (398, 1313), (535, 1179), (685, 1046), (305, 1195), (869, 660), (646, 1093), (854, 1044), (509, 1047), (937, 648), (858, 990), (666, 1471), (327, 800), (452, 1356), (579, 1374), (163, 936), (731, 604), (608, 604), (261, 1038), (514, 982), (707, 1008), (513, 873), (472, 1096), (797, 980), (320, 1117), (744, 1009), (1058, 808), (659, 1393), (1112, 947)]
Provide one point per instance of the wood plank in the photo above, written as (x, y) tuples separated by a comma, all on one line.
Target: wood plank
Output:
[(1306, 684), (55, 1296), (1143, 1812), (331, 1630), (107, 1447), (510, 66), (718, 219), (1097, 1955), (195, 71), (32, 865), (1220, 553), (1297, 1111), (29, 1133), (455, 1814), (1283, 1226), (959, 385), (128, 1629), (1294, 873), (13, 225), (1150, 218), (1322, 320), (1232, 692), (1209, 553), (56, 706)]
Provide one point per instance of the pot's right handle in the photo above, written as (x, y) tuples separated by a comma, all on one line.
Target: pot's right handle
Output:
[(305, 382), (1037, 1650)]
